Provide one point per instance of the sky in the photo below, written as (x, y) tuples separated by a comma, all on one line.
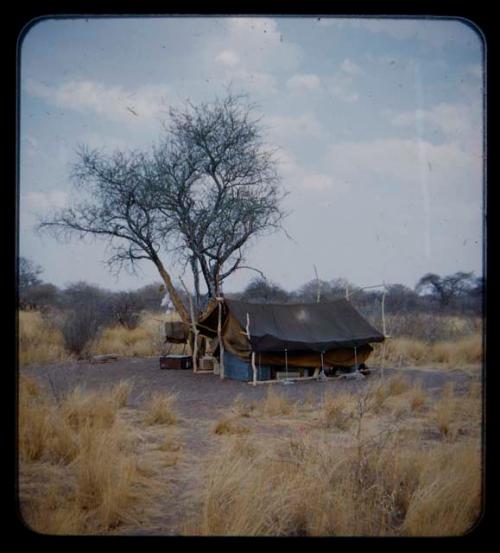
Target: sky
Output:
[(378, 125)]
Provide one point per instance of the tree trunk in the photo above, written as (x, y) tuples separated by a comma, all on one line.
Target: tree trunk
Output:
[(172, 292)]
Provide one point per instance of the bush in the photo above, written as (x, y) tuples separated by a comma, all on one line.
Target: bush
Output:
[(80, 328)]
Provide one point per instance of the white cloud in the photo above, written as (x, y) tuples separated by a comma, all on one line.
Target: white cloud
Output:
[(260, 44), (228, 57), (341, 86), (254, 82), (303, 82), (404, 165), (284, 128), (350, 67), (143, 104), (458, 123), (317, 181), (299, 179)]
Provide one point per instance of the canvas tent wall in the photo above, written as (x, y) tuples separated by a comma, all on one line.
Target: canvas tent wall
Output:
[(333, 332)]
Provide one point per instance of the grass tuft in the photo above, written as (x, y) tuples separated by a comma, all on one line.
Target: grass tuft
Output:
[(160, 409)]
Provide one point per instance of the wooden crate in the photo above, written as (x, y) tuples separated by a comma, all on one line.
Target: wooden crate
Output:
[(176, 362), (208, 363)]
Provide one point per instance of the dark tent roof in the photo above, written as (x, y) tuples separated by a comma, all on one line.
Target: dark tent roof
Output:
[(311, 326)]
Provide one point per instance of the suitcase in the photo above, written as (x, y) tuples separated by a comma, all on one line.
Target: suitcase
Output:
[(176, 362)]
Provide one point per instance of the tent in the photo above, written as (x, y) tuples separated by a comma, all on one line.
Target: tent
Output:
[(330, 334)]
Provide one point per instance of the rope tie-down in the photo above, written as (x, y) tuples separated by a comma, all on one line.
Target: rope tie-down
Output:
[(286, 380)]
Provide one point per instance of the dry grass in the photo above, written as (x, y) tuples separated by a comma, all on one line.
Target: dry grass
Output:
[(159, 409), (309, 485), (229, 426), (275, 404), (39, 341), (417, 397), (462, 352), (78, 472), (241, 407), (121, 392), (88, 463), (380, 477), (314, 488), (338, 410), (143, 341)]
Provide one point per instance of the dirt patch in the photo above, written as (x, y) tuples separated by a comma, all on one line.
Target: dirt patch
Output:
[(205, 395)]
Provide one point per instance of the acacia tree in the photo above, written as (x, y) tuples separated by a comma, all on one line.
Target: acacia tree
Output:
[(219, 188), (117, 206), (28, 273), (445, 288), (201, 194)]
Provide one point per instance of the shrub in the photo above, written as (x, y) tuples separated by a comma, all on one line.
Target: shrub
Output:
[(80, 329)]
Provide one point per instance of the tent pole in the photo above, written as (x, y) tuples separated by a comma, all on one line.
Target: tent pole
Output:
[(221, 345), (254, 368)]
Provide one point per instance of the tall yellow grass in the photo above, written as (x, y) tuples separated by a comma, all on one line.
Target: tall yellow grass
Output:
[(385, 480), (315, 488), (160, 409), (143, 341), (39, 341), (405, 351), (78, 472)]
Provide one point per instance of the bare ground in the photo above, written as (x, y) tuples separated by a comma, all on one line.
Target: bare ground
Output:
[(203, 399)]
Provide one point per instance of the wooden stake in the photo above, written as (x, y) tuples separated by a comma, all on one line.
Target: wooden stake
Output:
[(254, 368), (383, 311), (195, 329)]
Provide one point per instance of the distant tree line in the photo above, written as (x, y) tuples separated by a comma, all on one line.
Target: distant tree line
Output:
[(82, 310), (459, 293)]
